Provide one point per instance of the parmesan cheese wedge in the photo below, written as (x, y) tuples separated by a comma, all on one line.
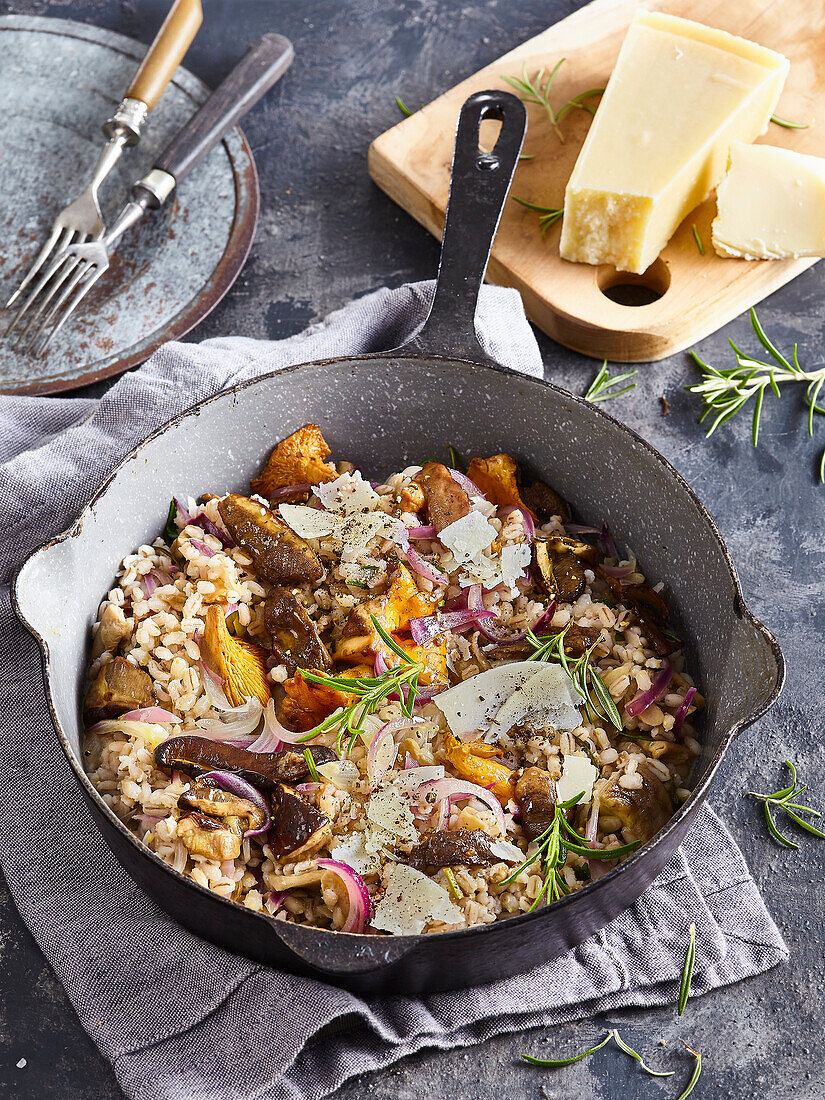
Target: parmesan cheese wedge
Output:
[(771, 204), (679, 95), (411, 901), (577, 777)]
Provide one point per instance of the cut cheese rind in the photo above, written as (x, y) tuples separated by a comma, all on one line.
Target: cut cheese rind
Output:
[(679, 95), (771, 204)]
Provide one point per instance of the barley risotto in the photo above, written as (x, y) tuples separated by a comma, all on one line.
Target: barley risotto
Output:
[(413, 706)]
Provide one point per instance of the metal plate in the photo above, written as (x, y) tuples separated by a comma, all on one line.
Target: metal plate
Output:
[(59, 81)]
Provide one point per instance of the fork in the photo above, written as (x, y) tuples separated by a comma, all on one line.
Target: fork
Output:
[(81, 220), (254, 75)]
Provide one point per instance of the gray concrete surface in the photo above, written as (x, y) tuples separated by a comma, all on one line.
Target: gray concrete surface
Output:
[(327, 234)]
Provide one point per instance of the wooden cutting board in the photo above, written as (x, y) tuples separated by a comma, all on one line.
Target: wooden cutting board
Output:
[(696, 294)]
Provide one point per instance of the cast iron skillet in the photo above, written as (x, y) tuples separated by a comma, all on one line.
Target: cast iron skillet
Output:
[(384, 412)]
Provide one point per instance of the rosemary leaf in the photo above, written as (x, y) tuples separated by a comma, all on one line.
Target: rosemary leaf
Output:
[(402, 107), (537, 91), (557, 1063), (622, 1045), (687, 972), (170, 531), (787, 800), (700, 244), (697, 1069), (311, 768)]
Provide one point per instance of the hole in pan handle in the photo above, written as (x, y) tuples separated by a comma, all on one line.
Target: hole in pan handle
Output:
[(479, 184)]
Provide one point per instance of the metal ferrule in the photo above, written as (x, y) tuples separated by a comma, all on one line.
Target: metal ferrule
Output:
[(158, 184), (127, 121)]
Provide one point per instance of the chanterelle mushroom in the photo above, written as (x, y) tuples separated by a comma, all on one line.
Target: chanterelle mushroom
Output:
[(295, 639), (202, 836), (280, 556), (119, 687), (240, 664)]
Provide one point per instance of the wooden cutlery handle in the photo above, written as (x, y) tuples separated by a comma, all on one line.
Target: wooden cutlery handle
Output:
[(254, 75), (166, 52)]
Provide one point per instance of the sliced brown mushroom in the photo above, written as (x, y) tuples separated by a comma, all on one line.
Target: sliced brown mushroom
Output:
[(298, 829), (295, 639), (311, 877), (560, 566), (649, 609), (642, 810), (119, 687), (223, 804), (193, 755), (278, 553), (544, 501), (464, 847), (203, 836), (446, 501), (112, 630), (536, 796)]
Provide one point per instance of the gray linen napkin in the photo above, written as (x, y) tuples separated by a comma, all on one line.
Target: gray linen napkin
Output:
[(176, 1016)]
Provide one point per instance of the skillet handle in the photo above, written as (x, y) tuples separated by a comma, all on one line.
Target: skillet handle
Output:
[(478, 188)]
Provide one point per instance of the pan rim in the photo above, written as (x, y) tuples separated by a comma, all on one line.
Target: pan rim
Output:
[(406, 944)]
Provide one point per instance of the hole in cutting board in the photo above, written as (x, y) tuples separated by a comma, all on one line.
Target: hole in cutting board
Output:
[(626, 289)]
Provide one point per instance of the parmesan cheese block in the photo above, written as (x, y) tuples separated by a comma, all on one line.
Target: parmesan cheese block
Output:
[(771, 204), (679, 95), (411, 901)]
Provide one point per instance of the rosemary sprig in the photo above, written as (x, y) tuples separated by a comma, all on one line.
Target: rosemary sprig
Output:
[(587, 680), (700, 244), (622, 1045), (548, 215), (687, 971), (552, 847), (402, 107), (602, 388), (455, 889), (369, 691), (537, 91), (788, 800), (557, 1063), (725, 391), (170, 531), (789, 125), (697, 1069)]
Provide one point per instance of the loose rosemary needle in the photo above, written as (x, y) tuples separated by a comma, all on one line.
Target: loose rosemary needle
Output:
[(789, 125), (622, 1045), (687, 970), (700, 244), (557, 1063), (402, 107), (548, 215), (697, 1069)]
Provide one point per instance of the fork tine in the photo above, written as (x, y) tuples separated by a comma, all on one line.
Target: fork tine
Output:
[(86, 277), (61, 272), (65, 236), (58, 259)]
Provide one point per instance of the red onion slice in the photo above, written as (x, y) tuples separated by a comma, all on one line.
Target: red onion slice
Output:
[(273, 733), (148, 584), (274, 902), (200, 545), (183, 515), (289, 490), (646, 699), (227, 781), (500, 635), (203, 521), (153, 714), (681, 713), (607, 542), (468, 486), (526, 519), (581, 529), (427, 627), (359, 898), (454, 790), (619, 571), (424, 568), (428, 532)]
